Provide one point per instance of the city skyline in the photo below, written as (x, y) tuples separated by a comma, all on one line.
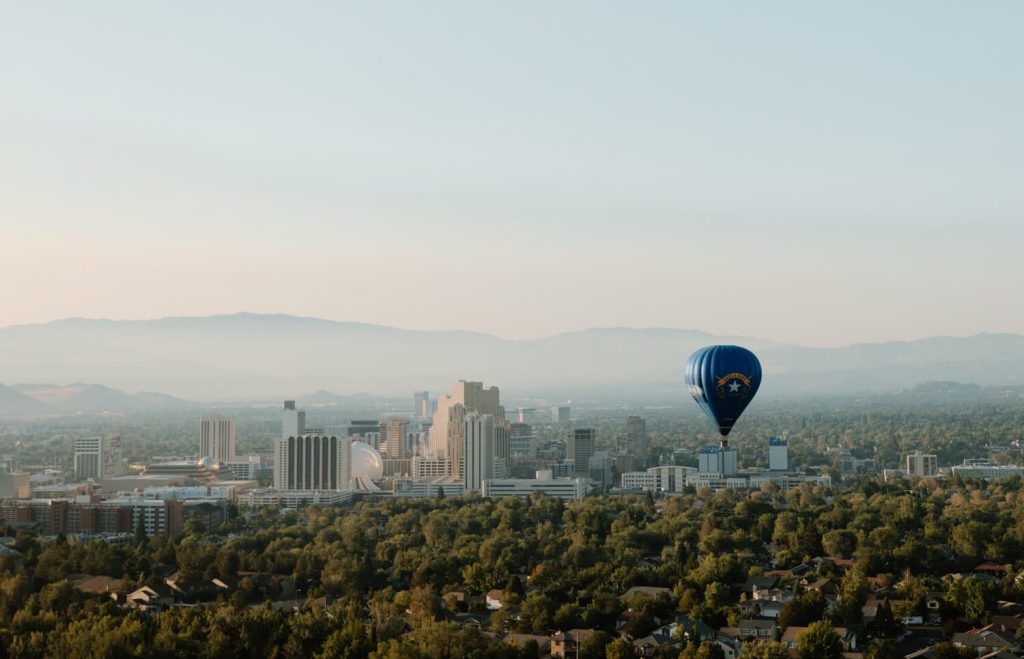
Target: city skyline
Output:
[(739, 169)]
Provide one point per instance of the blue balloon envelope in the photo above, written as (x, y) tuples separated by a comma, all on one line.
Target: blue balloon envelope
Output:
[(723, 381)]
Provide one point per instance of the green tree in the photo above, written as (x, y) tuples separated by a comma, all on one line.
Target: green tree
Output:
[(819, 641), (884, 648), (950, 651), (593, 647), (803, 609), (710, 650), (839, 543), (620, 648), (884, 624), (970, 596), (764, 650), (853, 593)]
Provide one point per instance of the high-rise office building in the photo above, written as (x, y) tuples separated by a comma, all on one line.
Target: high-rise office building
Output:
[(479, 451), (478, 398), (313, 462), (394, 443), (502, 449), (421, 405), (293, 421), (418, 442), (98, 457), (217, 438), (580, 448), (521, 440), (447, 432), (637, 442), (561, 413)]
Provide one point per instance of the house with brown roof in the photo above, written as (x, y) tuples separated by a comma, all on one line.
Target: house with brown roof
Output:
[(649, 591), (494, 598), (97, 585)]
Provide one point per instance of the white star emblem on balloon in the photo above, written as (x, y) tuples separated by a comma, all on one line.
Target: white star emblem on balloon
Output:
[(734, 386)]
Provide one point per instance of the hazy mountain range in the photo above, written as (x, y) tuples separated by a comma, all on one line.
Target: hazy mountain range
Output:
[(248, 355), (80, 398)]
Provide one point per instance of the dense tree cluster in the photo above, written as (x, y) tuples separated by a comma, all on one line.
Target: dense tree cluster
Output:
[(391, 575)]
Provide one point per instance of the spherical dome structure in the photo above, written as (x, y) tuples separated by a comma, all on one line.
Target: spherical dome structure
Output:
[(208, 463), (366, 461)]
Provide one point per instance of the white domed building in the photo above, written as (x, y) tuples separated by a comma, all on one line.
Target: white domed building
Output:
[(367, 466)]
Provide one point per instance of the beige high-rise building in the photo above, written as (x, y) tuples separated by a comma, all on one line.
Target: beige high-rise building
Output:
[(447, 433), (217, 438), (393, 442), (478, 398)]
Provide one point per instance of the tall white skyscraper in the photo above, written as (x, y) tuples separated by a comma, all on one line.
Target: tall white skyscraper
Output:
[(293, 421), (313, 462), (217, 438), (98, 457), (479, 452)]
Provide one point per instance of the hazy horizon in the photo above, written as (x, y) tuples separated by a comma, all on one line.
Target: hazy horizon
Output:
[(575, 330), (803, 173)]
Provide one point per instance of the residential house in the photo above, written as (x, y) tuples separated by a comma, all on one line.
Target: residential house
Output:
[(728, 650), (761, 630), (661, 638), (987, 640), (768, 609), (567, 643), (476, 620), (758, 582), (695, 630), (150, 598), (97, 585), (1006, 623), (649, 591), (494, 598), (823, 585)]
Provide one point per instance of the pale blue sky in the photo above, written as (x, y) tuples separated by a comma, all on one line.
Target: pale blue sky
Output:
[(812, 172)]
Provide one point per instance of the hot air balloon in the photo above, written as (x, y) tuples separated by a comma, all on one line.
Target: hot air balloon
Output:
[(723, 381)]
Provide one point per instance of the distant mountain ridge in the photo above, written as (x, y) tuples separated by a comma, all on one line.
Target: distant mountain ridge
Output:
[(34, 398), (249, 355)]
